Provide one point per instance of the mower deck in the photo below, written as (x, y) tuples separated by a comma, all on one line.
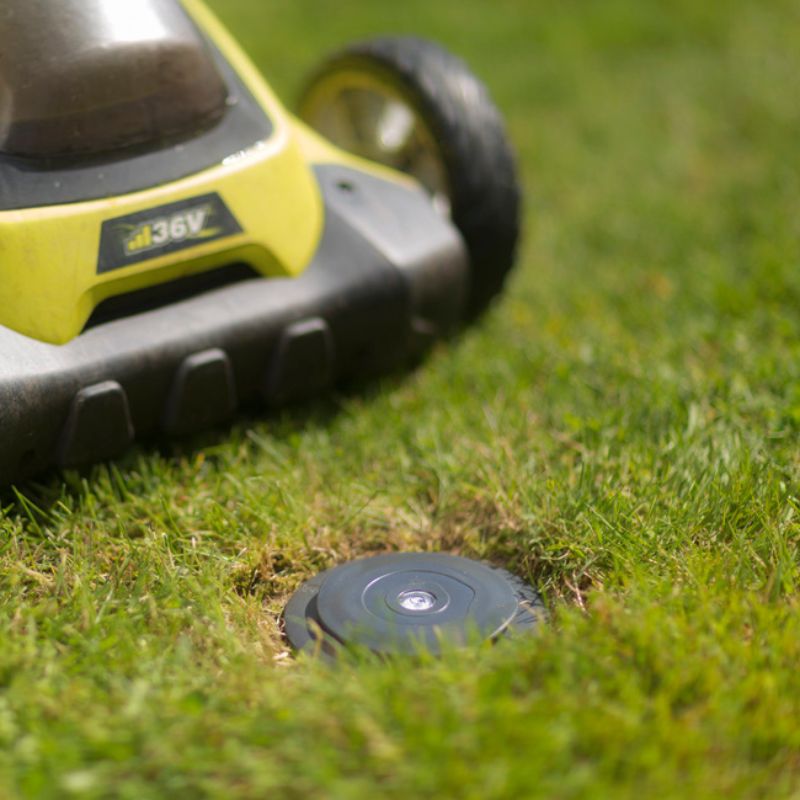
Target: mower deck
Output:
[(388, 277)]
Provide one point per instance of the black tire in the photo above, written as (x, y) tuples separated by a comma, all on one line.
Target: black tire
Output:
[(484, 192)]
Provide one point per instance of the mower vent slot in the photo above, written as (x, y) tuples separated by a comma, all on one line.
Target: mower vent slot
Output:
[(166, 294)]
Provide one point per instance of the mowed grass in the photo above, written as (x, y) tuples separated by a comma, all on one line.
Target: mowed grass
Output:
[(622, 430)]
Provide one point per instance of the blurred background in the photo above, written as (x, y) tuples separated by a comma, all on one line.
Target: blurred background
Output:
[(653, 138)]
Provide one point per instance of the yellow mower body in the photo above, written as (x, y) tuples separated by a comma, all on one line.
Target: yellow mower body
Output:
[(49, 255)]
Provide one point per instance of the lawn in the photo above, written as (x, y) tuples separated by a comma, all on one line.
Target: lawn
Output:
[(621, 429)]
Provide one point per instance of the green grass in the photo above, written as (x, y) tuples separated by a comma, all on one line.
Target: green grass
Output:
[(622, 430)]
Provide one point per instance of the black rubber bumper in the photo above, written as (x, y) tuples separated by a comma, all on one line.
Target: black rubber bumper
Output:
[(390, 275)]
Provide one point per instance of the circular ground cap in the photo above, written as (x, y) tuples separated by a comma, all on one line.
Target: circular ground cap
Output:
[(402, 602)]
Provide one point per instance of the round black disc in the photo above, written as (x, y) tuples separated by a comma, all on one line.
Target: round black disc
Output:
[(397, 603)]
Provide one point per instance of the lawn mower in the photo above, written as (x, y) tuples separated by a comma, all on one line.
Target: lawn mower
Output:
[(175, 245)]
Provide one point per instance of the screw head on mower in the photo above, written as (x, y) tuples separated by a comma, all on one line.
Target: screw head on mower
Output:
[(399, 603)]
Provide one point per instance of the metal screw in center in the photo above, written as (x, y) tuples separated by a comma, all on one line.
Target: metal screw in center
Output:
[(417, 600)]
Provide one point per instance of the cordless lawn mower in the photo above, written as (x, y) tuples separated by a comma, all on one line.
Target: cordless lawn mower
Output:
[(175, 245)]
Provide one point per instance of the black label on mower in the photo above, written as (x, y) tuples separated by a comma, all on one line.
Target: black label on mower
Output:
[(166, 229)]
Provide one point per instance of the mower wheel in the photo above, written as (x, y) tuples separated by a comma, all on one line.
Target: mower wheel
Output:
[(411, 105)]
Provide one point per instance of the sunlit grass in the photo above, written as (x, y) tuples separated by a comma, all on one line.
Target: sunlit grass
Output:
[(621, 430)]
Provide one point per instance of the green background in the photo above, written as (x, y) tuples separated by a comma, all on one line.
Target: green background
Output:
[(621, 430)]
